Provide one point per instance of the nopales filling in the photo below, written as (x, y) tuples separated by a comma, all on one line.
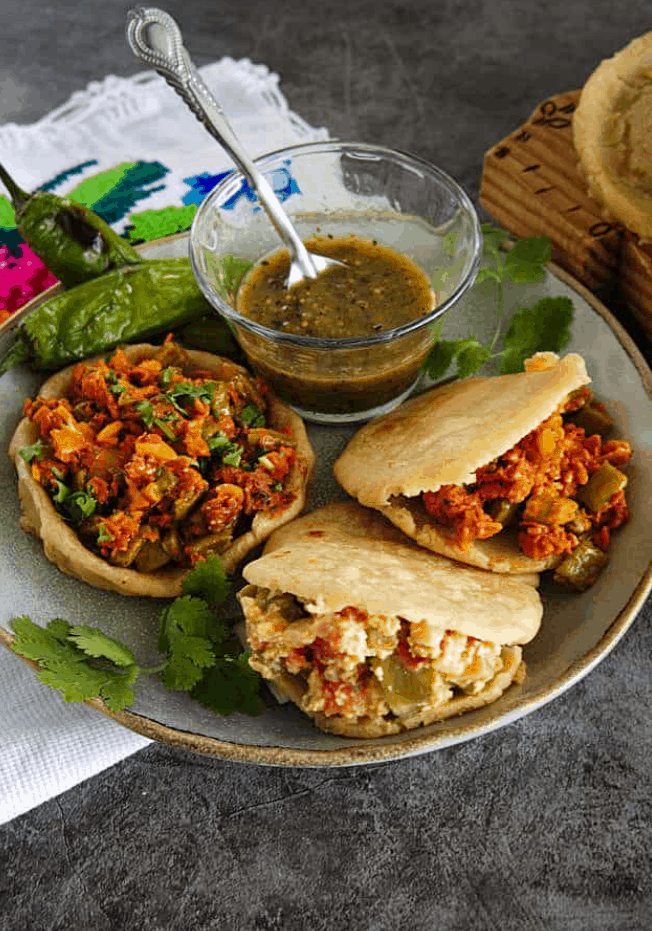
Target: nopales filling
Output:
[(155, 463), (561, 487)]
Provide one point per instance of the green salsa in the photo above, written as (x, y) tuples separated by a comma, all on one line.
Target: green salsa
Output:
[(376, 289)]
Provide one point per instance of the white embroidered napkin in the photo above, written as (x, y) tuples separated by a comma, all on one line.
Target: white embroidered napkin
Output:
[(47, 746)]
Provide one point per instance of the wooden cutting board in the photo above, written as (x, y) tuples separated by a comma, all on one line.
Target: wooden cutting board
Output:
[(532, 186)]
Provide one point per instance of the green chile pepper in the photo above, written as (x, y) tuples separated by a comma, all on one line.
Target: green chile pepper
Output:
[(125, 305), (72, 240)]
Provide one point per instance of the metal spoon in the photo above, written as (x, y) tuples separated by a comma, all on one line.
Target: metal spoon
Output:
[(155, 38)]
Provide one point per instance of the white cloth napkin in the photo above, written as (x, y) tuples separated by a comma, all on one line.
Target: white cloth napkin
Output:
[(47, 746)]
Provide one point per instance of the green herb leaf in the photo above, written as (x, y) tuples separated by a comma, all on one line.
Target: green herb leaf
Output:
[(251, 416), (103, 535), (80, 505), (96, 643), (233, 456), (230, 685), (66, 657), (202, 657), (469, 353), (208, 580), (40, 643), (543, 327), (35, 451), (146, 411), (471, 356)]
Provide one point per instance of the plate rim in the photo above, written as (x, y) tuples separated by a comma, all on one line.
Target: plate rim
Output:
[(418, 741)]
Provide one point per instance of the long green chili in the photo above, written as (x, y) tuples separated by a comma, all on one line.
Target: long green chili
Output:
[(128, 304), (73, 241)]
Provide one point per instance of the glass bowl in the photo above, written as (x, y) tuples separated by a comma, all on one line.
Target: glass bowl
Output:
[(335, 189)]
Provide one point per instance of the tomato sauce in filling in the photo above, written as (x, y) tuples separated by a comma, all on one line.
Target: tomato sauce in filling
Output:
[(147, 453), (546, 472)]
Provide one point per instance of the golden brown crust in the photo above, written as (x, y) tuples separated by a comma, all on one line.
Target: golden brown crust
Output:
[(441, 437), (612, 131), (61, 544)]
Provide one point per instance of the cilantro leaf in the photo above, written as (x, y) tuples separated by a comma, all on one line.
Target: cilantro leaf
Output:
[(208, 580), (188, 657), (543, 327), (66, 665), (185, 632), (185, 615), (202, 656), (146, 410), (535, 250), (35, 451), (230, 685), (493, 240), (440, 358), (118, 693), (96, 643), (78, 682), (40, 643), (251, 416), (471, 356), (469, 353)]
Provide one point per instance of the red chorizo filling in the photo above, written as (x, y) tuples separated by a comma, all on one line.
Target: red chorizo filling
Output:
[(561, 485), (358, 665), (154, 465)]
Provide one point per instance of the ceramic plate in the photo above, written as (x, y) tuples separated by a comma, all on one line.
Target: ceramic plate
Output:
[(577, 631)]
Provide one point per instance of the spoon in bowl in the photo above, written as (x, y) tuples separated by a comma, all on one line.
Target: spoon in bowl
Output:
[(155, 39)]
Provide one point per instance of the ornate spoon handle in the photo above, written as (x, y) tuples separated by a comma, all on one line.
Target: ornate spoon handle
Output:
[(155, 39)]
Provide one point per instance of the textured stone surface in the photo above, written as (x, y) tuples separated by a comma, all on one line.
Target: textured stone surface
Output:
[(544, 824)]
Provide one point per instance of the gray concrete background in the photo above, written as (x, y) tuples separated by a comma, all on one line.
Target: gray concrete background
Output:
[(544, 824)]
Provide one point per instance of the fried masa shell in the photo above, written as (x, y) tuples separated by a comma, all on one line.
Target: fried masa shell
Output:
[(612, 132), (63, 547), (345, 555), (442, 437)]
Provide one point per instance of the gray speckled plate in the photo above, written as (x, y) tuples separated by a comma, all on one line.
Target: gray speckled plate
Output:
[(577, 631)]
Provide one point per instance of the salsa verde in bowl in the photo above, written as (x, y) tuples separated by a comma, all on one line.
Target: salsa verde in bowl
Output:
[(356, 354)]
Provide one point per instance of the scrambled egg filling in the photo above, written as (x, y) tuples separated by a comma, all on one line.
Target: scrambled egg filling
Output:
[(358, 665)]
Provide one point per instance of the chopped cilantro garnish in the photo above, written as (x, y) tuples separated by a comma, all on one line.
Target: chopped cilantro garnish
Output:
[(219, 441), (35, 451), (104, 536), (201, 656), (542, 327), (164, 428), (233, 456), (251, 416), (183, 393), (146, 411), (165, 377), (74, 505)]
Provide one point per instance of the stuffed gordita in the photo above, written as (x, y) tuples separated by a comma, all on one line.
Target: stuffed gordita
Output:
[(370, 634), (135, 466), (509, 473)]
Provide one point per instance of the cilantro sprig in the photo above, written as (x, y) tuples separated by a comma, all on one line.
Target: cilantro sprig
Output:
[(545, 326), (201, 655)]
